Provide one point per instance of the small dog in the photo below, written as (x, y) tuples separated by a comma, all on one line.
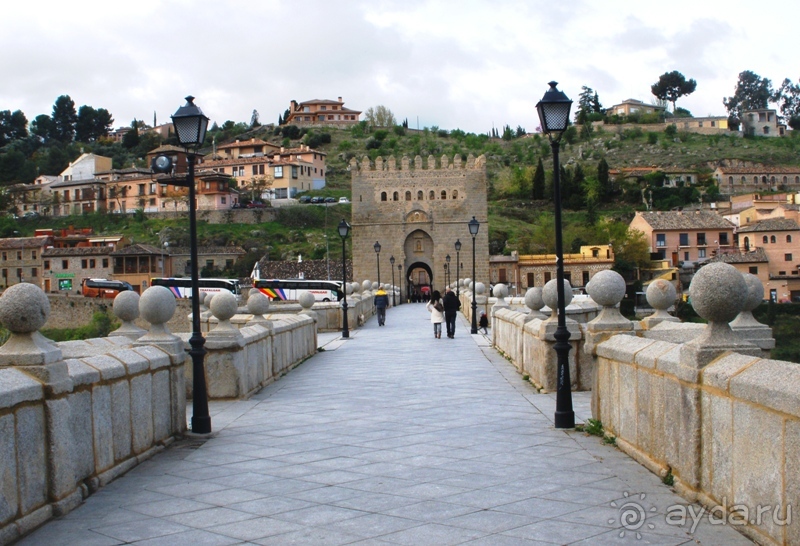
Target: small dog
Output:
[(361, 320)]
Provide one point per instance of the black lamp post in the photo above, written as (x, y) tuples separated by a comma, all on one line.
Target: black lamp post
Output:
[(190, 129), (474, 226), (554, 116), (391, 261), (444, 277), (449, 273), (400, 275), (458, 271), (344, 230), (377, 247)]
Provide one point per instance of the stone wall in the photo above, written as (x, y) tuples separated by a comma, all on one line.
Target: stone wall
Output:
[(75, 415), (74, 311), (729, 433)]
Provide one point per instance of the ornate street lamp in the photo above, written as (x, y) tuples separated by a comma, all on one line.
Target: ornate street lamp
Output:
[(377, 247), (344, 231), (458, 271), (190, 129), (444, 278), (554, 116), (400, 276), (474, 226), (391, 261), (449, 273)]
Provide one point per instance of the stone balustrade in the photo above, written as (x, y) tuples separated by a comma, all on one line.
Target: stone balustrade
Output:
[(75, 415), (702, 406)]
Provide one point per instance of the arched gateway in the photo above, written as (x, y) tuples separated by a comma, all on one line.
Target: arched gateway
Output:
[(417, 212)]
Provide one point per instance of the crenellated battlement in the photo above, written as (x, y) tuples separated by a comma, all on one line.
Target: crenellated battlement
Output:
[(406, 164)]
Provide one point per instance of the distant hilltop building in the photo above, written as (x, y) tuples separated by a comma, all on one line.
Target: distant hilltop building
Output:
[(321, 112)]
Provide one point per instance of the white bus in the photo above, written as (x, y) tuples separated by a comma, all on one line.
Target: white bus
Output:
[(181, 287), (289, 289)]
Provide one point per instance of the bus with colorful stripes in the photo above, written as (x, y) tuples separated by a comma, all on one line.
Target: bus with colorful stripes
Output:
[(181, 287), (290, 289)]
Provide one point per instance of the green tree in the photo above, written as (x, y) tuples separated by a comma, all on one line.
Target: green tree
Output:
[(41, 127), (537, 187), (13, 126), (752, 93), (588, 104), (671, 86), (131, 138), (605, 190), (64, 118), (380, 116), (254, 120), (788, 96)]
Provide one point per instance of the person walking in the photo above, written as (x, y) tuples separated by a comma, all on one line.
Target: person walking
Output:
[(381, 303), (483, 323), (435, 308), (451, 306)]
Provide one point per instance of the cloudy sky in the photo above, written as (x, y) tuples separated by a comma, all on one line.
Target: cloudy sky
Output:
[(466, 64)]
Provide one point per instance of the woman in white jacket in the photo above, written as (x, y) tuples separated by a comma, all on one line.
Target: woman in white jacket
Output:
[(436, 310)]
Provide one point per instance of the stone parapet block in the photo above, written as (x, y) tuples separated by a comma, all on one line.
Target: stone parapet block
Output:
[(771, 383), (17, 387)]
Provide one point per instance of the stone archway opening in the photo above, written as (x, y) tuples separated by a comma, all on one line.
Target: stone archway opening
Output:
[(420, 280)]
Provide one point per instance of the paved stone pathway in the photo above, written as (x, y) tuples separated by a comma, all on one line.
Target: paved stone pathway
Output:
[(392, 437)]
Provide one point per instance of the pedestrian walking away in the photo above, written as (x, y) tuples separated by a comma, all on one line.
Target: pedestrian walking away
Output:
[(483, 323), (451, 306), (381, 303), (435, 308)]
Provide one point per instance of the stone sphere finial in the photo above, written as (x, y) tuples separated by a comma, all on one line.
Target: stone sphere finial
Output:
[(223, 306), (467, 283), (480, 289), (157, 305), (348, 288), (755, 292), (126, 308), (533, 298), (24, 308), (366, 285), (550, 294), (375, 286), (661, 294), (718, 292), (258, 304), (607, 288), (251, 292), (500, 291), (306, 300)]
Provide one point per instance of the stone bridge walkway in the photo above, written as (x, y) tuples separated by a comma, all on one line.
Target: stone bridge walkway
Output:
[(392, 437)]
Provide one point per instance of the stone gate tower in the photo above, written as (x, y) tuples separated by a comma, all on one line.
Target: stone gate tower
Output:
[(417, 212)]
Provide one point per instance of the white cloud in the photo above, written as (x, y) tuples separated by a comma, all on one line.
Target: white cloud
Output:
[(469, 64)]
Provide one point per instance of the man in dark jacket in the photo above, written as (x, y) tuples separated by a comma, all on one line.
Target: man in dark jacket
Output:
[(451, 307), (381, 303)]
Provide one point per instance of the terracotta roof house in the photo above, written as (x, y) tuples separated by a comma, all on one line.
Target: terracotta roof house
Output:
[(21, 259), (684, 237), (633, 106), (221, 257), (736, 180), (138, 263), (320, 113), (66, 267)]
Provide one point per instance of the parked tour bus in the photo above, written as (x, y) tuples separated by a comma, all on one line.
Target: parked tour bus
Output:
[(289, 289), (181, 287), (103, 288)]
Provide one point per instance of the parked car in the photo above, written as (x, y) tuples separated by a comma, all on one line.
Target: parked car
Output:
[(344, 201), (305, 199), (31, 214), (236, 206), (317, 199), (330, 199), (256, 205)]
